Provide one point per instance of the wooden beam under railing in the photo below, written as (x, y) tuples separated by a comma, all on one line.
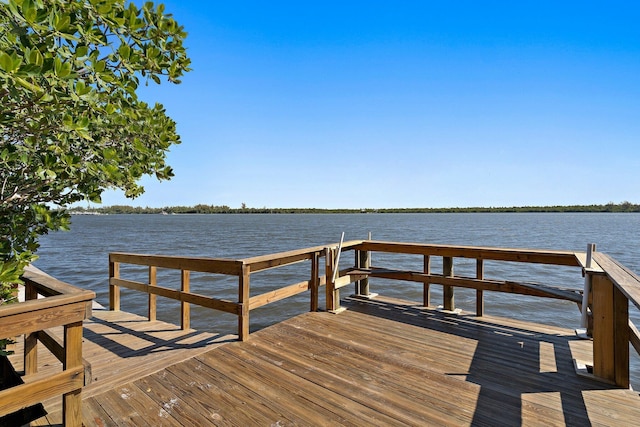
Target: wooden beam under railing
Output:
[(531, 289), (192, 298)]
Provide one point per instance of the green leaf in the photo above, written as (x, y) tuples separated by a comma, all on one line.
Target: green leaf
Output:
[(68, 121), (61, 23), (17, 61), (84, 134), (81, 51), (125, 51), (99, 66), (6, 63), (30, 70), (109, 154), (28, 85), (104, 8), (29, 11), (82, 88), (65, 71), (83, 123), (35, 57)]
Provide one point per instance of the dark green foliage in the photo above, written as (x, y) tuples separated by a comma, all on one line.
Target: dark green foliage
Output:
[(213, 209), (71, 124)]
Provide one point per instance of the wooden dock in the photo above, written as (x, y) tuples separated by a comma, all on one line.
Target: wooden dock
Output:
[(363, 361), (380, 362)]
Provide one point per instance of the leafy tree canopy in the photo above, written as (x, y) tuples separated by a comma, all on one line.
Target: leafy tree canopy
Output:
[(71, 123)]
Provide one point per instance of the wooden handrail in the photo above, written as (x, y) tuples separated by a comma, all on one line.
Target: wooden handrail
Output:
[(264, 262), (614, 286), (624, 279), (200, 264), (448, 280), (242, 269), (63, 305), (535, 256), (625, 282)]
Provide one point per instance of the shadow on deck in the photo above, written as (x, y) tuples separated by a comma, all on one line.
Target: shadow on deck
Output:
[(381, 362), (122, 347), (526, 372)]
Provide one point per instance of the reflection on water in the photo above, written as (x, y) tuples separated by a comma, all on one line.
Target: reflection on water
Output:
[(80, 256)]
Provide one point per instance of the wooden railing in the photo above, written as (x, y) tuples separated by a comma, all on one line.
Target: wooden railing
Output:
[(447, 278), (614, 287), (608, 312), (62, 305), (186, 266), (242, 269)]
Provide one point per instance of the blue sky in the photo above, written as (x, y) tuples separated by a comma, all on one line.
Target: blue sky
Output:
[(403, 104)]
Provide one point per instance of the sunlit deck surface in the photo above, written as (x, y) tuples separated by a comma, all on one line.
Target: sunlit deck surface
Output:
[(380, 362)]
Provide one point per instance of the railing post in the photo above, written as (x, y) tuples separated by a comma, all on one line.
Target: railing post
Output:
[(479, 292), (31, 353), (357, 265), (30, 340), (315, 282), (185, 308), (610, 331), (447, 290), (72, 401), (586, 292), (362, 261), (426, 291), (153, 281), (243, 299), (332, 294), (114, 290)]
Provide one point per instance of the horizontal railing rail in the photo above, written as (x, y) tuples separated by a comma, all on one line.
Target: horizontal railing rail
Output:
[(200, 264), (61, 305), (536, 256)]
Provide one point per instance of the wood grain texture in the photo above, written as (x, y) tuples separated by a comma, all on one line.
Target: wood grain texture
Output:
[(201, 300), (380, 362), (567, 258), (205, 265), (626, 280)]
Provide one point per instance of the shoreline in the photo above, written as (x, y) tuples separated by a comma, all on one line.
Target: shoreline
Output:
[(625, 207)]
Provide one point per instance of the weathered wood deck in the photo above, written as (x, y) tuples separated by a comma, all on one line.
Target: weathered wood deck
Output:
[(122, 347), (381, 362)]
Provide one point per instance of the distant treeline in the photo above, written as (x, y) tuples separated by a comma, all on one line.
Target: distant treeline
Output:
[(213, 209)]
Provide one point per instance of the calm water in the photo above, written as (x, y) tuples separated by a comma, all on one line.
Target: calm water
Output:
[(80, 256)]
